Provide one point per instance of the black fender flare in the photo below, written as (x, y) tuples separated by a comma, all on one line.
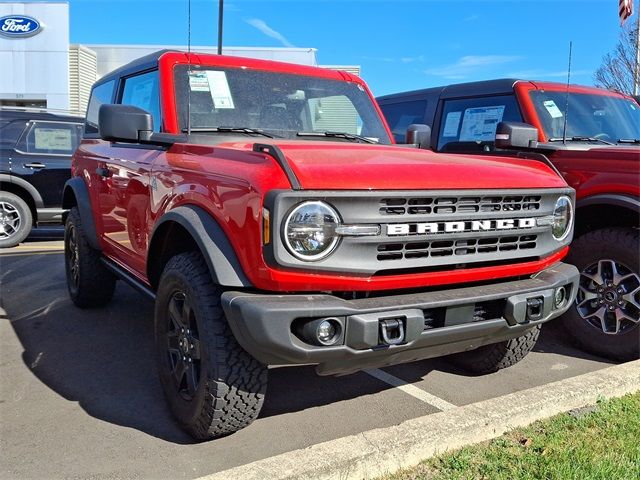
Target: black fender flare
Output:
[(30, 189), (616, 200), (211, 240), (76, 194)]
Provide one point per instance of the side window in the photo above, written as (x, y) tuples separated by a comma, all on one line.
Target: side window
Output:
[(99, 95), (50, 138), (470, 124), (402, 114), (142, 91), (10, 133)]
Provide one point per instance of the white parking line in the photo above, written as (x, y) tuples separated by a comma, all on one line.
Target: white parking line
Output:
[(410, 389)]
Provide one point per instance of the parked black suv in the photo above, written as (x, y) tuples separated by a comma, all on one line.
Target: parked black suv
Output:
[(35, 161)]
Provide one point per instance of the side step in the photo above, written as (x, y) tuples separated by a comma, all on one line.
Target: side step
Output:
[(122, 274)]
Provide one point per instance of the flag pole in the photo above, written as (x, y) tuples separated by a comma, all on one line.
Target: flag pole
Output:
[(220, 13), (636, 70)]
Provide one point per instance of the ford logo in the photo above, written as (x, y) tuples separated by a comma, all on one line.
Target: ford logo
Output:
[(19, 26)]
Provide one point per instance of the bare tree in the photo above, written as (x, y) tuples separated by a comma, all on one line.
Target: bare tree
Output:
[(617, 68)]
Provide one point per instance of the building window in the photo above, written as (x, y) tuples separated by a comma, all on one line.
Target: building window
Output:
[(24, 103)]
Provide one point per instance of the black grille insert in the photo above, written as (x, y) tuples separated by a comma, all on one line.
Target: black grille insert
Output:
[(447, 248), (459, 205)]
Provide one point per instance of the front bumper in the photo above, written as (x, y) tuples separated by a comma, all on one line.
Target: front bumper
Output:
[(436, 323)]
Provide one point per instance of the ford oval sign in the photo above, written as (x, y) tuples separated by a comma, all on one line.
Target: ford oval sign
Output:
[(16, 26)]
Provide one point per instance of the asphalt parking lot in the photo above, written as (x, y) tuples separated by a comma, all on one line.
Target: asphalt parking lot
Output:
[(79, 397)]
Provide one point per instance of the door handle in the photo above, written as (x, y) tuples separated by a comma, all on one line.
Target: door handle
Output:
[(103, 172), (35, 165)]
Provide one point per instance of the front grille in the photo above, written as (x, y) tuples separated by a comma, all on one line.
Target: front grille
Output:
[(422, 231), (458, 205), (447, 248)]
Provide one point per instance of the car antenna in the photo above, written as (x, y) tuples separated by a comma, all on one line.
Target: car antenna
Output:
[(566, 105), (189, 70)]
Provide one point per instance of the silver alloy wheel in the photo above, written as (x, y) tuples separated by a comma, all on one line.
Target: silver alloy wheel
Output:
[(609, 297), (10, 220)]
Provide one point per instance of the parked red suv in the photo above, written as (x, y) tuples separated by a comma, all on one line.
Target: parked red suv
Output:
[(264, 208), (592, 136)]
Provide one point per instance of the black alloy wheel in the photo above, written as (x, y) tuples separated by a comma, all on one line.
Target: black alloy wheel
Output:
[(73, 256), (183, 346)]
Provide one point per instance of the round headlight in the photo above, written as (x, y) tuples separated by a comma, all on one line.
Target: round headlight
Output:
[(562, 218), (310, 231)]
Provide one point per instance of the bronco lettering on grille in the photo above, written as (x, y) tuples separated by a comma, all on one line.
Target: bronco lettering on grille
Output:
[(459, 227)]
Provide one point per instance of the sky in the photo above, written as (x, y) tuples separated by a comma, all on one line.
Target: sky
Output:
[(399, 45)]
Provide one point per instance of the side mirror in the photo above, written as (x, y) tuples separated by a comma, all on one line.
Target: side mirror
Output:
[(124, 123), (510, 135), (420, 135)]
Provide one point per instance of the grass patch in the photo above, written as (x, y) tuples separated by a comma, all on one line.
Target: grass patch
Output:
[(600, 442)]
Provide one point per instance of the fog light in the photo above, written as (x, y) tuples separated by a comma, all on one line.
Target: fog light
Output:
[(560, 297), (323, 332), (326, 332)]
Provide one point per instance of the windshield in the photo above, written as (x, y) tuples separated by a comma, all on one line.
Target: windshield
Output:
[(591, 116), (280, 104)]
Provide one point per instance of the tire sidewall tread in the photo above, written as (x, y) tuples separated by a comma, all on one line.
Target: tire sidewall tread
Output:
[(496, 356), (96, 284), (232, 383)]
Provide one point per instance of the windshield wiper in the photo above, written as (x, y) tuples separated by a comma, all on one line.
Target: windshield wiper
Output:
[(629, 140), (579, 138), (348, 136), (221, 129)]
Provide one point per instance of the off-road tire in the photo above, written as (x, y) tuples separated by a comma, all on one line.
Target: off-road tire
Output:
[(15, 218), (494, 357), (231, 384), (89, 282), (621, 246)]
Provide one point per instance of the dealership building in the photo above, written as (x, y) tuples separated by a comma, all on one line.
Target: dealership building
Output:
[(40, 68)]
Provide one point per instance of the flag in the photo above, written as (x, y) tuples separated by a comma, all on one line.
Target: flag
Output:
[(625, 10)]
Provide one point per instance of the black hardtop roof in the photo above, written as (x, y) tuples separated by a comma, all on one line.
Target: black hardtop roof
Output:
[(483, 87), (148, 62), (18, 113)]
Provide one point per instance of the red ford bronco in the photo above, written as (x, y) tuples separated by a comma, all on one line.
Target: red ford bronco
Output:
[(592, 136), (265, 209)]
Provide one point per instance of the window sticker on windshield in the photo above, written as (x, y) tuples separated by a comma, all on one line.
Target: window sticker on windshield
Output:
[(53, 139), (479, 124), (451, 124), (219, 88), (552, 108), (198, 82)]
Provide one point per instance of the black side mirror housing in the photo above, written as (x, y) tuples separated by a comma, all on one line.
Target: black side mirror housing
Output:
[(420, 135), (514, 135), (129, 124), (124, 123)]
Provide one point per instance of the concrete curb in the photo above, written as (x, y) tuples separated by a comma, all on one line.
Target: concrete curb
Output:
[(385, 450)]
